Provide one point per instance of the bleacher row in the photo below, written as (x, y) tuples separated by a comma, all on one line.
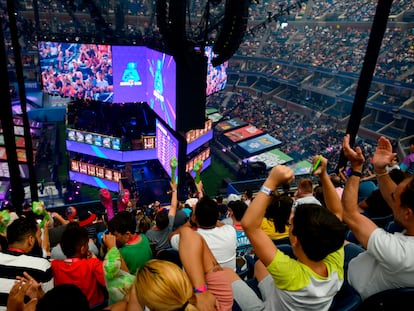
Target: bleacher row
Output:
[(388, 111), (302, 136), (320, 34)]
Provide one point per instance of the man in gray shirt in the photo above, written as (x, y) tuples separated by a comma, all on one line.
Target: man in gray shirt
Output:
[(164, 222)]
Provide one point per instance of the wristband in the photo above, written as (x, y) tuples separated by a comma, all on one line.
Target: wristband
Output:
[(381, 174), (355, 173), (200, 289), (267, 190)]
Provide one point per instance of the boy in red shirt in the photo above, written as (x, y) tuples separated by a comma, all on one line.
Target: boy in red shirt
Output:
[(81, 267)]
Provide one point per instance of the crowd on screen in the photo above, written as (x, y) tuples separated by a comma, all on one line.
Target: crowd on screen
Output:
[(81, 71)]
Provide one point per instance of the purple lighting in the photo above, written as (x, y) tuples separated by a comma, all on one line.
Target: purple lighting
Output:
[(162, 86), (94, 181), (199, 142), (110, 154), (4, 187), (130, 73)]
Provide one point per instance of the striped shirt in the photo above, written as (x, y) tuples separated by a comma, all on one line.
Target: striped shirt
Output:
[(13, 264)]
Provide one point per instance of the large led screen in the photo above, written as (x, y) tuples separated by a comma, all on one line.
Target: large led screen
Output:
[(130, 73), (216, 76), (271, 158), (215, 117), (230, 124), (260, 143), (4, 170), (199, 142), (4, 188), (243, 133), (167, 147), (203, 155), (21, 154), (77, 70), (162, 86), (301, 168)]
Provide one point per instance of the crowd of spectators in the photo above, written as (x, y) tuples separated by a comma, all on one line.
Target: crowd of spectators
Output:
[(337, 46), (329, 47), (142, 257), (301, 136)]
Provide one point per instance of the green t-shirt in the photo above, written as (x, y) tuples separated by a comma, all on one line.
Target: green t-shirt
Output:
[(136, 255)]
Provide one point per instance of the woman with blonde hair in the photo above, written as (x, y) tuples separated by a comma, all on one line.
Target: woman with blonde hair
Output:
[(203, 285), (162, 285)]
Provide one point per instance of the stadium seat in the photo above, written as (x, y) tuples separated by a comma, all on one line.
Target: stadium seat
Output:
[(382, 221), (393, 227), (347, 299), (281, 241), (391, 299), (170, 255)]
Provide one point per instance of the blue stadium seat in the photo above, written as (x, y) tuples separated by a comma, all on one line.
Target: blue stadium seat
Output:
[(347, 299), (389, 300), (382, 221), (393, 227)]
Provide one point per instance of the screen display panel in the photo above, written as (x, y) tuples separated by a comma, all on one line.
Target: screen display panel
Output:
[(77, 70), (130, 73), (167, 147), (216, 76), (162, 86)]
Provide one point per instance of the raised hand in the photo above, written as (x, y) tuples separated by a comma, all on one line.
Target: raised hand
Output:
[(383, 154), (321, 167), (281, 174), (355, 156)]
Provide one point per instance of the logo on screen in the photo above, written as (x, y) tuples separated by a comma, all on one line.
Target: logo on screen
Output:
[(131, 76), (158, 84)]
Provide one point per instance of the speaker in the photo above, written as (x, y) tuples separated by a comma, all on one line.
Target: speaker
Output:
[(191, 92), (232, 31), (171, 17)]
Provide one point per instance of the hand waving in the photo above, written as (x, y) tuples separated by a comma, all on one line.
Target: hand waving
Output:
[(383, 154)]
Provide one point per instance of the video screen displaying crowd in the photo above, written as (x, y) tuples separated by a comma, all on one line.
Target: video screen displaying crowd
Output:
[(80, 71)]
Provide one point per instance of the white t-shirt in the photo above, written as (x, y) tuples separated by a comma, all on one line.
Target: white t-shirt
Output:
[(387, 263), (306, 200), (221, 240)]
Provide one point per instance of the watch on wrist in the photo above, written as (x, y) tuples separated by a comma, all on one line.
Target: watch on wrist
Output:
[(267, 190), (355, 173)]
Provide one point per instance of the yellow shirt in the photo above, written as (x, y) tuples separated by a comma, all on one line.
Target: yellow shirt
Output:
[(269, 228)]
